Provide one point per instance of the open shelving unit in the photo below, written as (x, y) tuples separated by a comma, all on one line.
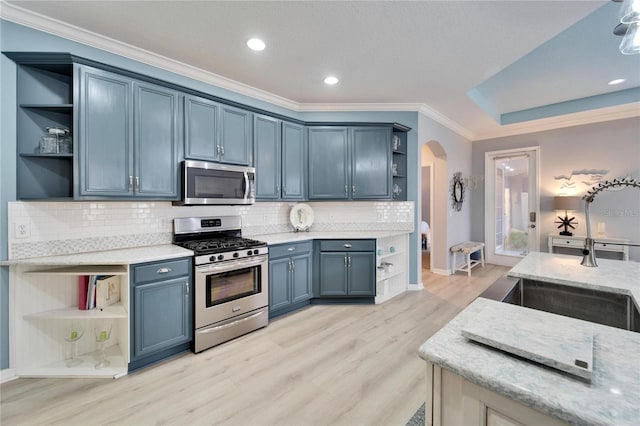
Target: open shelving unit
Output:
[(46, 303), (45, 99), (399, 165), (393, 280)]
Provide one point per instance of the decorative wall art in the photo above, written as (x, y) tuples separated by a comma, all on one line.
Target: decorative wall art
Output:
[(587, 177), (457, 191)]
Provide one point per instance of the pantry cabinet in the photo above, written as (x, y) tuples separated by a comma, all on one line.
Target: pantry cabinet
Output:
[(128, 137)]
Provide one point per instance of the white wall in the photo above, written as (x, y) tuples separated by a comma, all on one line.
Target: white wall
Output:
[(613, 146), (457, 151)]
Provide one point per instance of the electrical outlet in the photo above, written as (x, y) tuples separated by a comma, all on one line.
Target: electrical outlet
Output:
[(21, 229)]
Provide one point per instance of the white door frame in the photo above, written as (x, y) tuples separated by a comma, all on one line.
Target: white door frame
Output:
[(489, 203)]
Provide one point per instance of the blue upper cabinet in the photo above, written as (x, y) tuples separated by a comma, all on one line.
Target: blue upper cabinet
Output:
[(350, 163), (370, 163), (293, 161), (156, 142), (129, 137), (217, 132), (201, 128), (328, 163), (105, 139), (279, 159), (236, 136), (267, 147)]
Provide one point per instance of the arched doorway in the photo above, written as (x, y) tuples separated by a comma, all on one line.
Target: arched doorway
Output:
[(434, 194)]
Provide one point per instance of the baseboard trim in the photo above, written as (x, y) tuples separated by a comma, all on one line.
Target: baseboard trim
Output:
[(441, 271), (7, 375), (415, 287)]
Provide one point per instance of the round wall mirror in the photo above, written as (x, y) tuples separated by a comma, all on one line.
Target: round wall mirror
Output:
[(457, 191)]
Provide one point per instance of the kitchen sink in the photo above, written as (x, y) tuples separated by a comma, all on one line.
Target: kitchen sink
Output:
[(612, 309)]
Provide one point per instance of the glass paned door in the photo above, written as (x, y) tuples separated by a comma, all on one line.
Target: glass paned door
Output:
[(511, 205)]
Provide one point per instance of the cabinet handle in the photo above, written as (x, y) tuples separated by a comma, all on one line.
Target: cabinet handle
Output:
[(293, 266), (291, 249), (347, 246), (130, 183), (345, 260), (345, 190), (353, 189), (186, 288), (163, 270), (222, 150), (277, 188), (349, 261), (290, 266), (138, 183), (218, 150), (284, 190)]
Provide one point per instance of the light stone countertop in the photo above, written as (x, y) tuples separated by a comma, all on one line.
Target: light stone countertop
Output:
[(613, 276), (126, 256), (611, 398), (290, 237)]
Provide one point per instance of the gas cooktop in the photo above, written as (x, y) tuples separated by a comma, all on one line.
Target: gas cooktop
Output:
[(220, 245)]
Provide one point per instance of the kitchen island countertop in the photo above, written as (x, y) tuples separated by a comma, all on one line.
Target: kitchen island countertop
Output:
[(611, 398), (612, 276)]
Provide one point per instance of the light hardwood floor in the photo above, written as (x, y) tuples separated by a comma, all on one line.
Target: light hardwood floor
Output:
[(323, 365)]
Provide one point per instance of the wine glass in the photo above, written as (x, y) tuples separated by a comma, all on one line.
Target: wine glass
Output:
[(73, 333), (102, 333)]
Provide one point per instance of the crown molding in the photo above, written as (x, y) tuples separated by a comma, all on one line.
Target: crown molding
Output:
[(18, 15), (616, 112), (446, 122), (49, 25)]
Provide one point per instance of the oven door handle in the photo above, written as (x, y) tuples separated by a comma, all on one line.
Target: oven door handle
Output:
[(231, 266), (229, 324)]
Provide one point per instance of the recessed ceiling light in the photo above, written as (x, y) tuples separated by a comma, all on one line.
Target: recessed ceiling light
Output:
[(256, 44), (331, 80), (616, 81)]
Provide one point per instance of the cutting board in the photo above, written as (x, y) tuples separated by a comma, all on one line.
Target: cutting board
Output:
[(558, 342)]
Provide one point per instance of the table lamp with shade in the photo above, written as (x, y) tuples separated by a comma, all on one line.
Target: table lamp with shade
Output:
[(566, 203)]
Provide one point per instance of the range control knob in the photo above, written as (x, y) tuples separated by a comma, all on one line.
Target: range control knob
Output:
[(220, 257), (249, 253), (236, 254), (212, 259), (256, 252)]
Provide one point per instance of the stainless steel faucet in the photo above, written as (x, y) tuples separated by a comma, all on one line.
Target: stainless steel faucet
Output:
[(589, 253)]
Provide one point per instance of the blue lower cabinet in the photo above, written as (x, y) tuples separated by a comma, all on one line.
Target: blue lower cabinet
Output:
[(161, 307), (290, 282), (347, 269)]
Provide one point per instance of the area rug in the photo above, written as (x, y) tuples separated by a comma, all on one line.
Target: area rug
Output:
[(418, 418)]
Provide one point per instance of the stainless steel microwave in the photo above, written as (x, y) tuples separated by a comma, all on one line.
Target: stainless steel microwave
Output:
[(205, 183)]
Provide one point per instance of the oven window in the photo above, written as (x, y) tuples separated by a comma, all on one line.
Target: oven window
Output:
[(232, 285)]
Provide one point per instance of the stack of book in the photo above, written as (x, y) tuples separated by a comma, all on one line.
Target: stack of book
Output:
[(98, 291)]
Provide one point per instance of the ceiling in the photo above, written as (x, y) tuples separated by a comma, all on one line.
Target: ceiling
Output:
[(482, 68)]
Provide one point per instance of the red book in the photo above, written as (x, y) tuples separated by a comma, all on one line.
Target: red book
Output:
[(83, 284)]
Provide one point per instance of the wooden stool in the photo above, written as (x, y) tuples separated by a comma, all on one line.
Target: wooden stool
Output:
[(467, 248)]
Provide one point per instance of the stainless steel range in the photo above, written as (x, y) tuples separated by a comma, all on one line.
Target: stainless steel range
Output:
[(231, 278)]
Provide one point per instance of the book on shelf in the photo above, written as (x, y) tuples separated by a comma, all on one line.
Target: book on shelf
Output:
[(83, 284), (91, 292), (107, 290)]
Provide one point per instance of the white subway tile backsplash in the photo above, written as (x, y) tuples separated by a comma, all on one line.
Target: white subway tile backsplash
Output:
[(76, 227)]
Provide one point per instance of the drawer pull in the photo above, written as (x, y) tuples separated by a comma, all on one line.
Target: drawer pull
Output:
[(163, 270), (291, 249), (347, 246)]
